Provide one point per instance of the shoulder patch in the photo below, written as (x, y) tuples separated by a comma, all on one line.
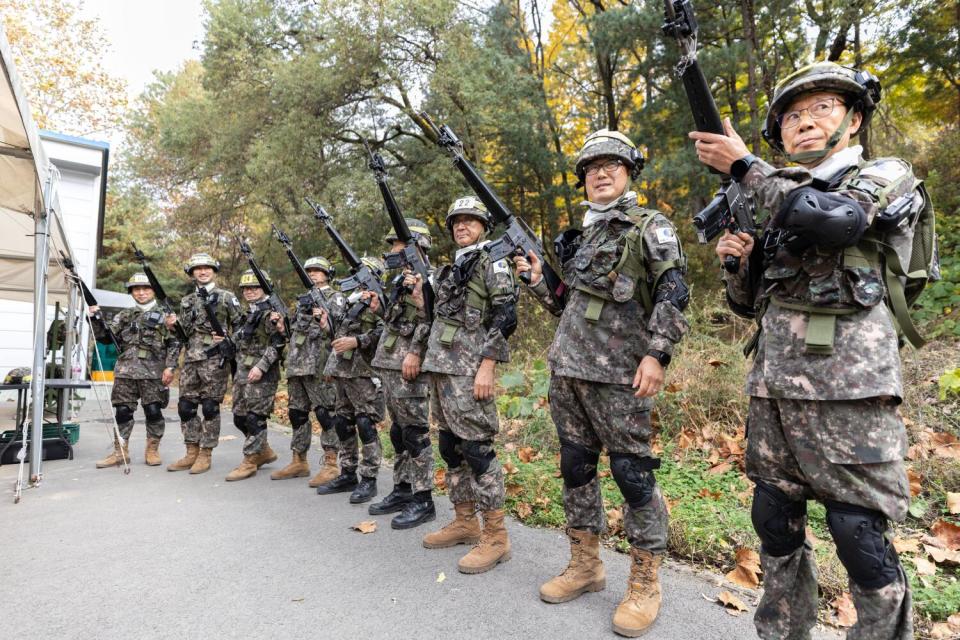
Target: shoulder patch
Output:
[(501, 266), (885, 169), (665, 235), (235, 302)]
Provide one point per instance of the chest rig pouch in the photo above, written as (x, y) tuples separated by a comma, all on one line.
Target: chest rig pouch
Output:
[(462, 296)]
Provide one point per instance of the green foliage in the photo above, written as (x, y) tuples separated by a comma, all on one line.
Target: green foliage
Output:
[(949, 384), (936, 597), (525, 392)]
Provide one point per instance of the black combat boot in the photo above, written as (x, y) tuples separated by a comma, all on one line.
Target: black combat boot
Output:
[(344, 482), (394, 501), (365, 491), (419, 510)]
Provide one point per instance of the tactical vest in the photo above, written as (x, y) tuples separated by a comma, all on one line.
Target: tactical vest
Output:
[(460, 289), (400, 315), (146, 334)]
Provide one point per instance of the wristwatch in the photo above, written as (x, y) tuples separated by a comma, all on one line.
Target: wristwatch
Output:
[(739, 168), (661, 356)]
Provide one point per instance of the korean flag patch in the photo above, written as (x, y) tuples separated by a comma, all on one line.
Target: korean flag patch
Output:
[(665, 235)]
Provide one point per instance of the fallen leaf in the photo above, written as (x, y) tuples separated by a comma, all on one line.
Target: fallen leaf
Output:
[(942, 556), (615, 519), (916, 482), (723, 467), (917, 452), (727, 599), (673, 387), (543, 501), (557, 474), (953, 502), (509, 468), (526, 454), (441, 576), (948, 533), (509, 447), (906, 545), (716, 363), (604, 474), (367, 526), (440, 478), (732, 445), (924, 566), (951, 451), (747, 572), (845, 614), (524, 510), (706, 493), (954, 621), (943, 631), (513, 490)]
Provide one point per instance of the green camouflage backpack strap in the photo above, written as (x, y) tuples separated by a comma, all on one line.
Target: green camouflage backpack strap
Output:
[(633, 264), (476, 294)]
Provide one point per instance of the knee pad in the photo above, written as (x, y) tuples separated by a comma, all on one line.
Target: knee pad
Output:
[(634, 476), (578, 465), (415, 439), (326, 420), (298, 417), (478, 454), (124, 413), (772, 513), (152, 411), (368, 430), (186, 409), (396, 438), (211, 409), (256, 424), (863, 548), (344, 429), (240, 422), (448, 449)]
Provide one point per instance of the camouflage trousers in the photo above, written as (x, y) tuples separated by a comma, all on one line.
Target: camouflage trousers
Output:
[(199, 381), (847, 452), (467, 428), (358, 397), (408, 407), (253, 399), (306, 394), (590, 417), (127, 392)]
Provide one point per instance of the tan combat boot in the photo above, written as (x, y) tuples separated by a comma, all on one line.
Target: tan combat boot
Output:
[(465, 529), (116, 458), (152, 454), (493, 548), (641, 604), (584, 573), (266, 456), (298, 468), (184, 463), (202, 463), (245, 469), (328, 470)]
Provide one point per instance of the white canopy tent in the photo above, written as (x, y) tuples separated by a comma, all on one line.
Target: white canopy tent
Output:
[(32, 234)]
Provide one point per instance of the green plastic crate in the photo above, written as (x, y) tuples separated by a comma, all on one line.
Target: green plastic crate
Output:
[(50, 432)]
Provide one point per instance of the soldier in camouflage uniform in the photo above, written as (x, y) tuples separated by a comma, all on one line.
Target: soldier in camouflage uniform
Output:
[(826, 381), (474, 315), (203, 380), (306, 388), (399, 355), (145, 367), (359, 395), (623, 315), (260, 343)]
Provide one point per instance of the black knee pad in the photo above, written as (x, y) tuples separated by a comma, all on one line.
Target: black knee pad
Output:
[(123, 413), (863, 548), (326, 420), (152, 411), (367, 429), (240, 422), (345, 430), (298, 417), (771, 513), (578, 465), (256, 424), (416, 438), (448, 449), (634, 476), (186, 409), (396, 438), (478, 454), (211, 409)]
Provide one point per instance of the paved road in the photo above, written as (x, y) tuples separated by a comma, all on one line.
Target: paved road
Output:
[(98, 554)]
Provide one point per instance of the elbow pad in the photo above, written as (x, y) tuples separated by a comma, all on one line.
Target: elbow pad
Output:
[(672, 288), (813, 217), (505, 319)]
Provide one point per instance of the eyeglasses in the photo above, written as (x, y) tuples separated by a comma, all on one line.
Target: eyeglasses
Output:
[(819, 109), (608, 166)]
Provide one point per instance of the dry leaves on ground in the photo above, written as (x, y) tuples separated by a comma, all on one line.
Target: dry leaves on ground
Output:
[(367, 526), (747, 572), (942, 556), (916, 482), (947, 533), (946, 630), (924, 566), (614, 520), (509, 468), (731, 603), (513, 490), (524, 510), (906, 545), (844, 613), (953, 502), (440, 478), (528, 454)]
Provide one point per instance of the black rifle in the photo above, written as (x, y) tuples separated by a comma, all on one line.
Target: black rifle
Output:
[(159, 293), (91, 301), (362, 277), (410, 256), (226, 348), (276, 304), (730, 208), (517, 238), (314, 296)]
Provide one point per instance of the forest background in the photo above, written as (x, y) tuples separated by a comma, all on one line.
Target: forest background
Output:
[(283, 92)]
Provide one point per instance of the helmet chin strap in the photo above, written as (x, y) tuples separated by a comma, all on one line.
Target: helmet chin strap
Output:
[(805, 157)]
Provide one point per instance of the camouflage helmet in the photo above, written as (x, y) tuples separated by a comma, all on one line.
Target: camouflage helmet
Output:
[(138, 279), (420, 231), (321, 263), (468, 206), (201, 260), (861, 90), (375, 264), (249, 279), (608, 144)]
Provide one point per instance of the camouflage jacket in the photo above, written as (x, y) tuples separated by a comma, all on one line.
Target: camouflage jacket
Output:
[(609, 349), (405, 330), (366, 329), (865, 361), (310, 340), (146, 346), (468, 295), (259, 343), (195, 323)]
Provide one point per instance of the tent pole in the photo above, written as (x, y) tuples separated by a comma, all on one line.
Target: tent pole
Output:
[(41, 259), (69, 342)]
